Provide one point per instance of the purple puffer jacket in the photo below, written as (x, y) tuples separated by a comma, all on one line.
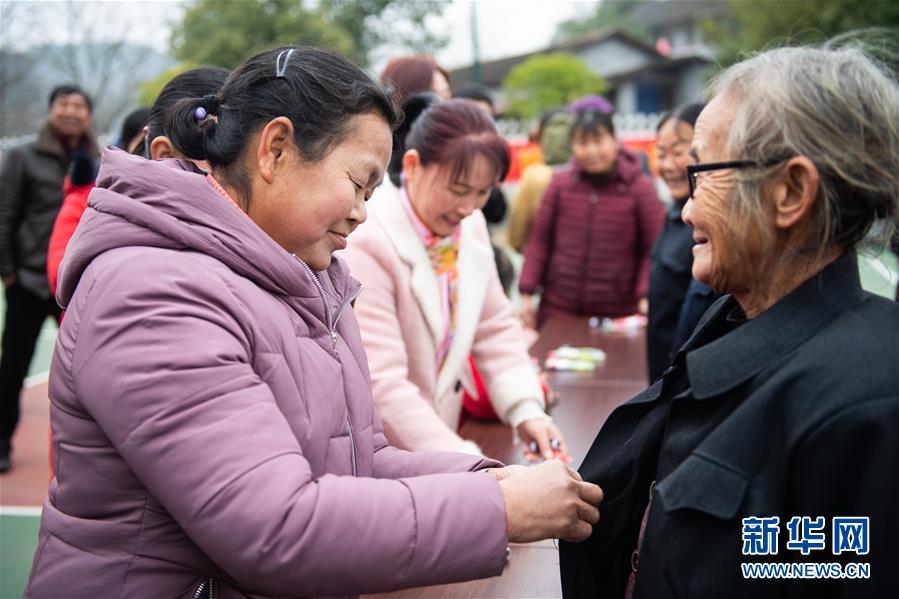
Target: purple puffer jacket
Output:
[(212, 417)]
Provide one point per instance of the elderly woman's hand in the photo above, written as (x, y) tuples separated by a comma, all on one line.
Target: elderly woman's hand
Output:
[(542, 439), (550, 501)]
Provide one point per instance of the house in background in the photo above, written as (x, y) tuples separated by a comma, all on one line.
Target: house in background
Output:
[(642, 78)]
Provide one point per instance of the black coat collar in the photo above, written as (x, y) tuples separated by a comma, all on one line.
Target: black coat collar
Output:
[(719, 365)]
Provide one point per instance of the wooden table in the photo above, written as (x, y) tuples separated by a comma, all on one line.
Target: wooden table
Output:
[(586, 401)]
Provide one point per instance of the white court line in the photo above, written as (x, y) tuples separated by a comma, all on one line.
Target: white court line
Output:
[(20, 510), (37, 379)]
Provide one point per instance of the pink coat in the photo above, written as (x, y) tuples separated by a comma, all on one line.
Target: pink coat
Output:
[(399, 314), (212, 417)]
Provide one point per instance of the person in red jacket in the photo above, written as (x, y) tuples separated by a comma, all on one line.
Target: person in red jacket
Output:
[(77, 186), (589, 247)]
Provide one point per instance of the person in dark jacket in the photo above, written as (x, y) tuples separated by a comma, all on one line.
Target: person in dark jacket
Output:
[(784, 402), (589, 246), (672, 254), (31, 192)]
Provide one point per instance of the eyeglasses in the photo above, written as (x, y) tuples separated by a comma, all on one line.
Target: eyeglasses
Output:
[(693, 169)]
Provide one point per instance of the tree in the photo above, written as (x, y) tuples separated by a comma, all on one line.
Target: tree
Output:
[(373, 23), (67, 42), (149, 90), (755, 25), (547, 81), (225, 33), (17, 85), (610, 14)]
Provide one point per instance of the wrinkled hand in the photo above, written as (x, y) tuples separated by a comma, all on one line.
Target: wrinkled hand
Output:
[(548, 439), (550, 501), (526, 312)]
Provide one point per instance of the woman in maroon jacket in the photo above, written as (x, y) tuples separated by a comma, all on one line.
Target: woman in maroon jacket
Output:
[(590, 244)]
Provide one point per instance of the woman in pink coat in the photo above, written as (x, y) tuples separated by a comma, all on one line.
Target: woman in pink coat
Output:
[(432, 296), (213, 427)]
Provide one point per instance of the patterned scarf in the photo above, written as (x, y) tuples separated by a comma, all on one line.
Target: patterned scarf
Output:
[(444, 253)]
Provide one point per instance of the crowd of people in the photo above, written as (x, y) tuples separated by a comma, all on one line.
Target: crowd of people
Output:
[(283, 294)]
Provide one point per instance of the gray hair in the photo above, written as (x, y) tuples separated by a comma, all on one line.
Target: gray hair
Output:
[(837, 106)]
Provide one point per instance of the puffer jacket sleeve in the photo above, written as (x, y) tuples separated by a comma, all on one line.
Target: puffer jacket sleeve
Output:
[(540, 242), (163, 364), (650, 220), (409, 418), (391, 462)]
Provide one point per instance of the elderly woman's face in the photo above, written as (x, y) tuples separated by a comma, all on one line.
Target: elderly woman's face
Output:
[(316, 205), (721, 256)]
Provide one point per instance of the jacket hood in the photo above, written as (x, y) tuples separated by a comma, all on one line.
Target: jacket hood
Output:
[(628, 167), (170, 204)]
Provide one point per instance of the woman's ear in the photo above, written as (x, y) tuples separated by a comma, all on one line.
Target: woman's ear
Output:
[(794, 192), (162, 147), (411, 165), (275, 144)]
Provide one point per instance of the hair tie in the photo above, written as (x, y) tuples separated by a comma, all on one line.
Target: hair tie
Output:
[(212, 103), (281, 67), (209, 105)]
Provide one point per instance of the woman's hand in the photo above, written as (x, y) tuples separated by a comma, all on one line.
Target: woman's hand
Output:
[(550, 501), (643, 306), (505, 472), (526, 312), (542, 439)]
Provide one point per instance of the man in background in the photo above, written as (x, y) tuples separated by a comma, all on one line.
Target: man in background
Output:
[(31, 192)]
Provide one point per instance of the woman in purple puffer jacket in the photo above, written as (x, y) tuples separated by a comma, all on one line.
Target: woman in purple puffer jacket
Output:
[(212, 418)]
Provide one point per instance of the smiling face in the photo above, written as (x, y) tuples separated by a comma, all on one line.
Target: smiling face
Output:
[(594, 151), (70, 115), (723, 253), (442, 202), (309, 208), (673, 156)]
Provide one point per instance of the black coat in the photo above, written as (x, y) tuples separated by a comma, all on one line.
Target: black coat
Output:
[(792, 413), (669, 278), (31, 192)]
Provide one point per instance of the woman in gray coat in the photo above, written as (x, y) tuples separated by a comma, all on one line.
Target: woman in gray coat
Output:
[(213, 426)]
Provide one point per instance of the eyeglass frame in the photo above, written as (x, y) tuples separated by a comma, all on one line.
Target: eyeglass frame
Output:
[(692, 169)]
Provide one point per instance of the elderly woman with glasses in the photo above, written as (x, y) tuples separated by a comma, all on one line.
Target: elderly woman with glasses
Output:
[(773, 435)]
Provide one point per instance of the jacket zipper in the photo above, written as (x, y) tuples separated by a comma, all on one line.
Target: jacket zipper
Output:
[(206, 587), (352, 444), (332, 329), (321, 290)]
